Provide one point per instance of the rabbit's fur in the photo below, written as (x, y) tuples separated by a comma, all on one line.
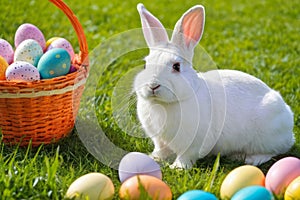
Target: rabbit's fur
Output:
[(197, 114)]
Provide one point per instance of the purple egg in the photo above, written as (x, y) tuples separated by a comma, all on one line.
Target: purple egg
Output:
[(6, 51), (64, 44), (72, 69), (22, 71), (29, 31), (135, 163)]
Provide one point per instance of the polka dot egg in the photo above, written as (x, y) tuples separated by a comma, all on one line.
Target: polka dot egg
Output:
[(55, 62), (62, 43), (22, 71), (29, 31), (29, 51), (6, 51)]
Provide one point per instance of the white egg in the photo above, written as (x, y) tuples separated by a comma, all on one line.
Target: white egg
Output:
[(29, 51)]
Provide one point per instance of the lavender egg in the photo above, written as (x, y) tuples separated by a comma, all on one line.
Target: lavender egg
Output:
[(64, 44), (29, 31), (22, 71), (6, 51), (136, 163), (29, 51)]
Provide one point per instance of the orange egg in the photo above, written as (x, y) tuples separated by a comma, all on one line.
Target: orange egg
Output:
[(3, 67), (137, 187)]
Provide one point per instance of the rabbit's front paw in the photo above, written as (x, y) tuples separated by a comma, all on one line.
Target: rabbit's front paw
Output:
[(161, 154), (180, 164)]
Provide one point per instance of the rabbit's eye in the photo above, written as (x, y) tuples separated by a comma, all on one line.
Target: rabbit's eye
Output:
[(176, 67)]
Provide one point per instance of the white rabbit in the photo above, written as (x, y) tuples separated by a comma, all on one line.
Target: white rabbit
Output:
[(195, 115)]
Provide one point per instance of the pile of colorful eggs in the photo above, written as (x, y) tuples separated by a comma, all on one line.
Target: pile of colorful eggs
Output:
[(249, 182), (143, 177), (33, 58)]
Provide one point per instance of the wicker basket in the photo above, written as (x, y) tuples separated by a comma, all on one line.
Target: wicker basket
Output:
[(44, 111)]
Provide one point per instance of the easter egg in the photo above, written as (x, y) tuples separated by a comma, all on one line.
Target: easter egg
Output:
[(29, 31), (22, 71), (94, 185), (253, 193), (293, 190), (49, 41), (29, 51), (240, 177), (3, 66), (137, 187), (54, 63), (64, 44), (6, 51), (281, 174), (136, 163), (72, 69), (196, 195)]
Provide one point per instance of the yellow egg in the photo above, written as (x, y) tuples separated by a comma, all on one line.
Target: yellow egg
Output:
[(293, 190), (239, 178), (94, 186), (50, 41), (3, 67)]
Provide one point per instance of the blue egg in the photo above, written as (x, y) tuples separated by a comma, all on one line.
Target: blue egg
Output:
[(253, 193), (55, 62), (196, 195)]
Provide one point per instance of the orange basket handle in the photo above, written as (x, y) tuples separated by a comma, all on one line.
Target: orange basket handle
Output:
[(83, 54)]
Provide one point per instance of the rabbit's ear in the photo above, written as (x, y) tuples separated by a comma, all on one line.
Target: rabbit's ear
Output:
[(154, 31), (189, 28)]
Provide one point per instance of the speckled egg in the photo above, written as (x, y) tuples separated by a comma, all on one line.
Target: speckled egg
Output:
[(282, 173), (64, 44), (3, 67), (22, 71), (29, 51), (240, 177), (253, 193), (49, 41), (293, 190), (6, 51), (196, 195), (94, 186), (137, 187), (29, 31), (136, 163), (54, 63)]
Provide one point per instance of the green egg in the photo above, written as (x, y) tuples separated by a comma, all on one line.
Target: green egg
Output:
[(55, 62)]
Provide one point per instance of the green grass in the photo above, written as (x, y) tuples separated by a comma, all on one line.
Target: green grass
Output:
[(258, 37)]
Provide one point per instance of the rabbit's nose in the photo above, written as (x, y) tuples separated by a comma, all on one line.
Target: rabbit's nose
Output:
[(154, 87)]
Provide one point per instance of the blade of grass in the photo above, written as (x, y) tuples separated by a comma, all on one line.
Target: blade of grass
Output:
[(213, 174)]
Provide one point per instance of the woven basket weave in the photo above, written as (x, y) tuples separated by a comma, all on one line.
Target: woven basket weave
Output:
[(44, 111)]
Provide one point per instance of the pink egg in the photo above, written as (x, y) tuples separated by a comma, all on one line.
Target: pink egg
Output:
[(281, 174), (29, 31), (64, 44), (6, 51)]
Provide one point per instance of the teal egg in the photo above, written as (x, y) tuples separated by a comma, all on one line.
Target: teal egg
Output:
[(253, 193), (196, 195), (55, 62)]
